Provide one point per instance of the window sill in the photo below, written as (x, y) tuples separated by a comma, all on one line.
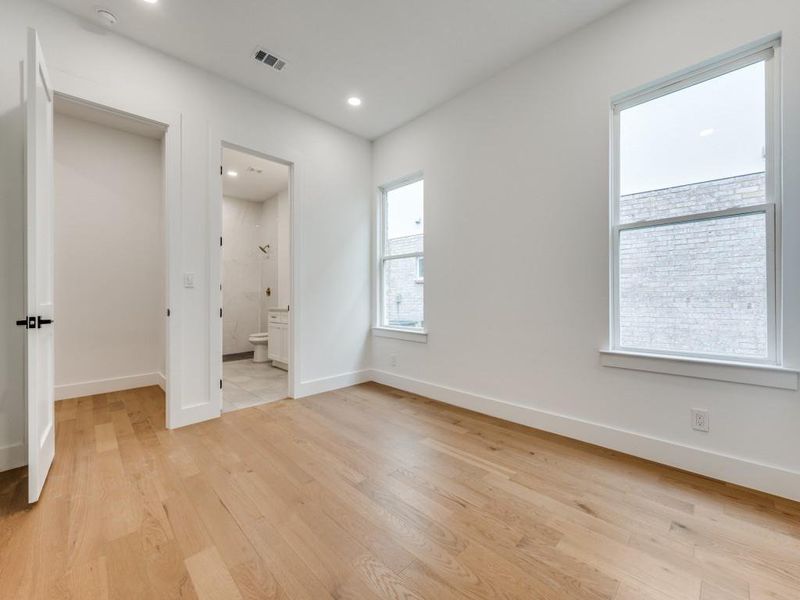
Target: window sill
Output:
[(719, 370), (409, 335)]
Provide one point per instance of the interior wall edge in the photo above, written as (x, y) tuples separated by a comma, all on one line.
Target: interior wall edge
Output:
[(731, 469)]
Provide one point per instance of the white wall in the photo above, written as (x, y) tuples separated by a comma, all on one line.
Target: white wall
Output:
[(110, 256), (332, 200), (516, 202)]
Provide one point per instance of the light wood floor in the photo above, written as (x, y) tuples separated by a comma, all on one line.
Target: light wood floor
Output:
[(370, 493)]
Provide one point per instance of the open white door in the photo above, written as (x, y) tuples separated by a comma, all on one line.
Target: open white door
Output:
[(40, 353)]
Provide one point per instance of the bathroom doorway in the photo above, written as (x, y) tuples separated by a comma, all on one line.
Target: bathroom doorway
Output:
[(255, 279)]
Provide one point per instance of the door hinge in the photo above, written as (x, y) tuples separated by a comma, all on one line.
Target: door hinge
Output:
[(168, 312), (220, 240), (220, 384), (220, 313), (220, 169)]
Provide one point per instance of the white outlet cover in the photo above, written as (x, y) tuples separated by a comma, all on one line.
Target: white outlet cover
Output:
[(188, 280), (700, 420)]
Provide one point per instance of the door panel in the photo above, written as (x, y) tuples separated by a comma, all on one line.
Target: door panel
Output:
[(40, 355)]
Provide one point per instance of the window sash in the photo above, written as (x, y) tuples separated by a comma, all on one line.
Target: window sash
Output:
[(766, 209), (382, 293), (769, 52), (384, 257)]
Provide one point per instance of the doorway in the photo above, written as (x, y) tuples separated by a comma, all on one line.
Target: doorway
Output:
[(255, 279), (110, 255)]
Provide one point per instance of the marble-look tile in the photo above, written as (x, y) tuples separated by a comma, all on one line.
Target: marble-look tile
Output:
[(243, 269), (246, 384)]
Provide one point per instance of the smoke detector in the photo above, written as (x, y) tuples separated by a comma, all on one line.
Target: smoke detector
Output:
[(107, 16), (268, 58)]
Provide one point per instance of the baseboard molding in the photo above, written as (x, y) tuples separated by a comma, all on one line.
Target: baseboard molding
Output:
[(106, 386), (328, 384), (162, 381), (13, 456), (766, 478)]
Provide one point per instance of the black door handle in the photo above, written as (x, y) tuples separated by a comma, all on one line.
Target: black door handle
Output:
[(22, 323), (40, 321)]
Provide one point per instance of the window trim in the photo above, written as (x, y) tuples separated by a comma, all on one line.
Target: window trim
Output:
[(379, 328), (417, 277), (767, 50)]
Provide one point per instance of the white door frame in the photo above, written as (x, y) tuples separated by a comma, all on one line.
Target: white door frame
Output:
[(86, 92), (218, 141)]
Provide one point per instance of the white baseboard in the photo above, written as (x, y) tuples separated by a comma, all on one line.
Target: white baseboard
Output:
[(328, 384), (13, 456), (106, 386), (767, 478), (162, 381)]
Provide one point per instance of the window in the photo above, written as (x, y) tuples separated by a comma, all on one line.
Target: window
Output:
[(402, 283), (693, 216)]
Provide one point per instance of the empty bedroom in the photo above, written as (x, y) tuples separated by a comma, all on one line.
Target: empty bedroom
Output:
[(431, 300)]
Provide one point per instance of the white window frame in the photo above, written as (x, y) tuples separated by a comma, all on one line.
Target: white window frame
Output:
[(420, 277), (769, 52), (417, 334)]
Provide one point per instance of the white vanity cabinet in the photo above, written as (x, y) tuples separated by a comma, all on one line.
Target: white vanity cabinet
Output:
[(278, 329)]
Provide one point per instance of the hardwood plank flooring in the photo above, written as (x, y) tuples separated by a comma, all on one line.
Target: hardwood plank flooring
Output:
[(370, 493)]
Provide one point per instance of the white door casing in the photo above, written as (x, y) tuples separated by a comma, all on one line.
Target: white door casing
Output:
[(39, 228)]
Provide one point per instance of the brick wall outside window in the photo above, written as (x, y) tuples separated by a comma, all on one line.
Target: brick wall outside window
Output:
[(695, 287), (403, 292)]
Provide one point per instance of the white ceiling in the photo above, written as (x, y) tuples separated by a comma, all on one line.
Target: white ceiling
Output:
[(403, 57), (250, 184)]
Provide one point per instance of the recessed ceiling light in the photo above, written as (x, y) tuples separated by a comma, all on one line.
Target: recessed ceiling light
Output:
[(151, 1), (233, 174), (354, 101), (707, 132)]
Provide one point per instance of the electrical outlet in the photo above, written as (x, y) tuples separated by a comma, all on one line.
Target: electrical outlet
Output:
[(393, 360), (699, 419)]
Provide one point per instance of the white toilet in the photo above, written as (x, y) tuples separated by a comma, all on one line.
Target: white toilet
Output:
[(259, 341)]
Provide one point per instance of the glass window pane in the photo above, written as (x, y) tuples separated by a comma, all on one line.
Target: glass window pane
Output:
[(699, 149), (403, 293), (404, 214), (697, 287)]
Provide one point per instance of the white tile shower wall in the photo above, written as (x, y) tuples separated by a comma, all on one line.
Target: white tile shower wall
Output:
[(269, 267), (284, 249), (242, 265)]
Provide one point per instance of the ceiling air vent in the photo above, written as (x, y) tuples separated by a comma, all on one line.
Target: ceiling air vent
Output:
[(269, 59)]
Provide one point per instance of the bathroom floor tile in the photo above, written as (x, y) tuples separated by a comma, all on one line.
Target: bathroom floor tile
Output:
[(247, 384)]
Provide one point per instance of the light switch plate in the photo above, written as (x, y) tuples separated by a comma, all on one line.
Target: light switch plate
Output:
[(188, 280)]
